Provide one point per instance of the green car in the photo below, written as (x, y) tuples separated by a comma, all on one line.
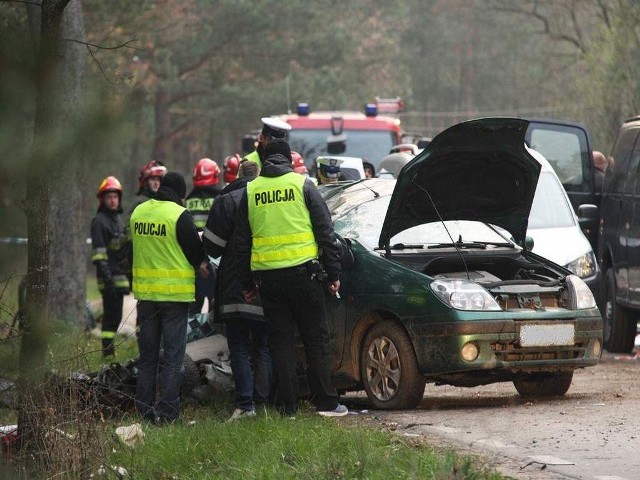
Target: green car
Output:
[(443, 287)]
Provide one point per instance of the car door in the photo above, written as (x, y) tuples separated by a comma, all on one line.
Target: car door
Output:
[(617, 209), (632, 228), (567, 147)]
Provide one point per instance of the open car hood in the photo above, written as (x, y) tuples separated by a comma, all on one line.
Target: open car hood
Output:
[(477, 170)]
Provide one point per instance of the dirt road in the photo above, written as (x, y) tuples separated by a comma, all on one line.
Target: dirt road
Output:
[(593, 432)]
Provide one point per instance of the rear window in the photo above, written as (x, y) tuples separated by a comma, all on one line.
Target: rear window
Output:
[(371, 145)]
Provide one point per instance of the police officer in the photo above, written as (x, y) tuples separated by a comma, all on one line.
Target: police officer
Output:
[(166, 251), (282, 224), (206, 177), (272, 127), (245, 324), (110, 258)]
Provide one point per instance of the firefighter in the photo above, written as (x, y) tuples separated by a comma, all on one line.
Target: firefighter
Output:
[(231, 164), (148, 182), (166, 251), (206, 176), (271, 128), (281, 226), (108, 241), (245, 324)]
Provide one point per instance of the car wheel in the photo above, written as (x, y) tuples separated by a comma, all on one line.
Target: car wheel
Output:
[(544, 384), (620, 324), (389, 369)]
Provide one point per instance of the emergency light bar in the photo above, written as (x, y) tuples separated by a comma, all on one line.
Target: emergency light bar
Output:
[(371, 110), (303, 109)]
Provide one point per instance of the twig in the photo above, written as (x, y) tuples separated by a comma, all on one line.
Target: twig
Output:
[(100, 47), (100, 66), (27, 2)]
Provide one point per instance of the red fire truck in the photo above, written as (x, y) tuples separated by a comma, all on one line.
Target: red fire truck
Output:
[(354, 134)]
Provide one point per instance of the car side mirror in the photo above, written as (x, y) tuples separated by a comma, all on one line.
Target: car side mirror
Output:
[(346, 255), (528, 243), (588, 218)]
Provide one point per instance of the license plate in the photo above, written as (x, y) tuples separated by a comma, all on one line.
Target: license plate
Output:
[(547, 335)]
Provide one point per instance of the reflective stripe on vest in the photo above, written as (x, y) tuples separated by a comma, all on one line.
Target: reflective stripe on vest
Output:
[(199, 208), (280, 223), (161, 272)]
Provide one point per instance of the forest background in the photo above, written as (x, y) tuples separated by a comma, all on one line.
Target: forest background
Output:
[(177, 80)]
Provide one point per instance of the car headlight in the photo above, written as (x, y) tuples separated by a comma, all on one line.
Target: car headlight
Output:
[(584, 266), (578, 294), (464, 295)]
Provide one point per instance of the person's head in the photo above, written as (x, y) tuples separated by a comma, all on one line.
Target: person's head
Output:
[(110, 193), (599, 161), (298, 163), (231, 165), (328, 170), (175, 181), (369, 170), (206, 173), (272, 128), (150, 176), (277, 146), (248, 169)]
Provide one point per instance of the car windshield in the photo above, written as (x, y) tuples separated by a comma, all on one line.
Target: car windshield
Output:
[(372, 145), (550, 208), (364, 223)]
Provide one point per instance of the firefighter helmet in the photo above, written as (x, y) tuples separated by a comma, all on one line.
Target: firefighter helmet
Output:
[(109, 184), (231, 164), (151, 169), (206, 172), (298, 163)]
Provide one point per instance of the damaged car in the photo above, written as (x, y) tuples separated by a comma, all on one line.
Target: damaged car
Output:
[(443, 287)]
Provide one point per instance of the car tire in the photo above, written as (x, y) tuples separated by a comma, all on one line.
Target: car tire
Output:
[(620, 324), (389, 369), (543, 384)]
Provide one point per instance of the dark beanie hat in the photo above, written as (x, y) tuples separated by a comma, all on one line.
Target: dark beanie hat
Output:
[(175, 182), (278, 145)]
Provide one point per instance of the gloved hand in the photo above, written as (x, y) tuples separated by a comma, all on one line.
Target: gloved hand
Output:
[(107, 278)]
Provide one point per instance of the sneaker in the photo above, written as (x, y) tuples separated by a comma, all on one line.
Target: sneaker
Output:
[(339, 411), (241, 413)]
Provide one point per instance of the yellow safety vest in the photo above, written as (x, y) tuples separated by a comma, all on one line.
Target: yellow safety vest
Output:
[(253, 157), (161, 272), (280, 223)]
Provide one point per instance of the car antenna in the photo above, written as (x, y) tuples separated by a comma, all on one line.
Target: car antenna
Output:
[(455, 244)]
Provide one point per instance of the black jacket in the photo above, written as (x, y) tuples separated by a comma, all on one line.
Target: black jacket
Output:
[(108, 239), (219, 240), (186, 231), (275, 166), (200, 209)]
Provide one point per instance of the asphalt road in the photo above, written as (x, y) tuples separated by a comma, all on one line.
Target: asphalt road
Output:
[(593, 432)]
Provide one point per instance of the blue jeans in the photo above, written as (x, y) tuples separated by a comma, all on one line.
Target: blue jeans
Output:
[(161, 323), (248, 347)]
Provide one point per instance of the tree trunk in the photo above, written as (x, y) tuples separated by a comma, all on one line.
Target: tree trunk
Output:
[(161, 146), (35, 325), (69, 189)]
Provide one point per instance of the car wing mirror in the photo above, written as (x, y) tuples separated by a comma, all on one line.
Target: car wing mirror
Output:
[(528, 243)]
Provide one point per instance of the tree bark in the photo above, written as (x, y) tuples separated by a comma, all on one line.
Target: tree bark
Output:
[(69, 190), (161, 146), (35, 324)]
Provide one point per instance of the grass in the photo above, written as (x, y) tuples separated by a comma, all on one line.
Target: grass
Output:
[(269, 446)]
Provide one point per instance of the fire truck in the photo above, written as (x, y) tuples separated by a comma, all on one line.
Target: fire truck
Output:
[(369, 135)]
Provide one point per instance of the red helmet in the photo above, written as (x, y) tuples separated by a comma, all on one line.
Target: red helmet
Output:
[(231, 164), (151, 169), (206, 172), (298, 163), (109, 184)]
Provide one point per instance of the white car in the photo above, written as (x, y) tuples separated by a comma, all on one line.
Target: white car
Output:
[(555, 230)]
